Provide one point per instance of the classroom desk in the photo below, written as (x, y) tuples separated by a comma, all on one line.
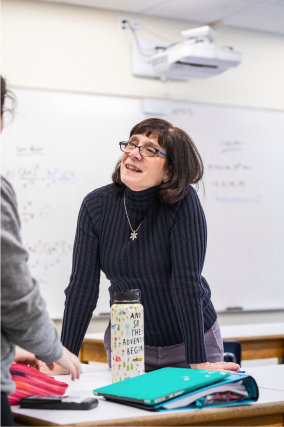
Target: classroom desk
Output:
[(268, 411), (92, 349), (259, 341)]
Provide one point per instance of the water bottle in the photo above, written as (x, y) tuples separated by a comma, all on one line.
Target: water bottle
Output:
[(127, 335)]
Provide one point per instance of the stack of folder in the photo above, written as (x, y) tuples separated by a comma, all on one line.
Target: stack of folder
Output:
[(177, 388)]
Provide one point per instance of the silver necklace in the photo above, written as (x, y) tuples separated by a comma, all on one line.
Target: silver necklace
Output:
[(134, 233)]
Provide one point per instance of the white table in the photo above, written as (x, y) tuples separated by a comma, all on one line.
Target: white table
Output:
[(270, 406)]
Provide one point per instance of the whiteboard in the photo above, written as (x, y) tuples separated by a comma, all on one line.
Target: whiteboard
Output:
[(61, 146), (243, 152)]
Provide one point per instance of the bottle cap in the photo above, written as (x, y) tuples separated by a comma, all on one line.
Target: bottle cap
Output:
[(129, 295)]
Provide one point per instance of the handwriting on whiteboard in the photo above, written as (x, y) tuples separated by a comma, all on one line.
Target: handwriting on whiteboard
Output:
[(47, 212), (54, 176), (28, 212), (228, 184), (246, 200), (30, 175), (229, 167), (29, 150), (183, 111), (59, 248), (227, 146), (41, 269)]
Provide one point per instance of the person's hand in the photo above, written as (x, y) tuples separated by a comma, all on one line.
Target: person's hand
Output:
[(27, 358), (53, 369), (218, 366), (67, 364)]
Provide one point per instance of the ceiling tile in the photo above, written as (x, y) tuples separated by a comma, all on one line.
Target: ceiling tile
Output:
[(261, 18), (260, 15), (202, 11), (278, 3), (134, 6)]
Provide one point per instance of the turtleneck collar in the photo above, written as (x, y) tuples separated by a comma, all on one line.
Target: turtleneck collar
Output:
[(141, 200)]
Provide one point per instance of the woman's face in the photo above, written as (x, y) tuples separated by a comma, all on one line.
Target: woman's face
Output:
[(140, 173)]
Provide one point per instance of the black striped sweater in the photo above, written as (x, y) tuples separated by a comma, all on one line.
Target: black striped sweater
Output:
[(165, 262)]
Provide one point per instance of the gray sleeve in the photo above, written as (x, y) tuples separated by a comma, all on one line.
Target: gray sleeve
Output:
[(24, 317)]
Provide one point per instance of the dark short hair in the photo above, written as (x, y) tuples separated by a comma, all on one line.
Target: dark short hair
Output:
[(184, 159), (6, 93)]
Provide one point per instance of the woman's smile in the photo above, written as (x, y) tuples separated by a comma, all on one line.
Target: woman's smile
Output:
[(132, 168)]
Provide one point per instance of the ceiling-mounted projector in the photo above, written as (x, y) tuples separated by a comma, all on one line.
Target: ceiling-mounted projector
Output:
[(196, 57)]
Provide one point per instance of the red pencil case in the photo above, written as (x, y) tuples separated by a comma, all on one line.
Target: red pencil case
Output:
[(30, 381)]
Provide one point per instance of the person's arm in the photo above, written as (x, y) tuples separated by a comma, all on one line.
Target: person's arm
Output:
[(24, 318), (25, 321), (217, 366), (27, 358), (83, 290), (68, 363), (188, 247)]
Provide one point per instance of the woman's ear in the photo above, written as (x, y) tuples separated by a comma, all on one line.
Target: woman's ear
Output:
[(168, 175)]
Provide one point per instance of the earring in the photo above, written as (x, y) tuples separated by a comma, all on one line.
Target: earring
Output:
[(165, 181)]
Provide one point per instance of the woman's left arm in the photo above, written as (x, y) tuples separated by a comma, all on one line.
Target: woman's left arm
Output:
[(188, 247), (190, 292)]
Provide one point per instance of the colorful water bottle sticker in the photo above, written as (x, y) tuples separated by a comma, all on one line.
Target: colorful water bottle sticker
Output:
[(127, 341)]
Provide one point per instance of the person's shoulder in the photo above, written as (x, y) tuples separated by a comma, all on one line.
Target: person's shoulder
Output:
[(189, 203), (99, 194), (191, 194), (98, 201), (9, 212), (191, 198), (105, 191), (7, 189)]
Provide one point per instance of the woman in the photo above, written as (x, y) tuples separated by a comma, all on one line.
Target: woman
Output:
[(24, 319), (148, 232)]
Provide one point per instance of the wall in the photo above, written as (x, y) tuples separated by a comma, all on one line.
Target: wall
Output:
[(62, 47), (81, 49)]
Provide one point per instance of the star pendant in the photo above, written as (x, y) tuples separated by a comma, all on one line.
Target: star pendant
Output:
[(133, 235)]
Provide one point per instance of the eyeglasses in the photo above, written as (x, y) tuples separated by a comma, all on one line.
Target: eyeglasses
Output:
[(144, 150)]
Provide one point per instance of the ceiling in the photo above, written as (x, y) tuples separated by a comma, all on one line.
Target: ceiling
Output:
[(259, 15)]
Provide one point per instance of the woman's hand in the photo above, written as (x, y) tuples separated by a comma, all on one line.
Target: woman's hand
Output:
[(27, 358), (218, 366), (67, 364)]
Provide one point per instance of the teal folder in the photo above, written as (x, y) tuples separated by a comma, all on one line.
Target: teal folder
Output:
[(177, 388), (160, 385)]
